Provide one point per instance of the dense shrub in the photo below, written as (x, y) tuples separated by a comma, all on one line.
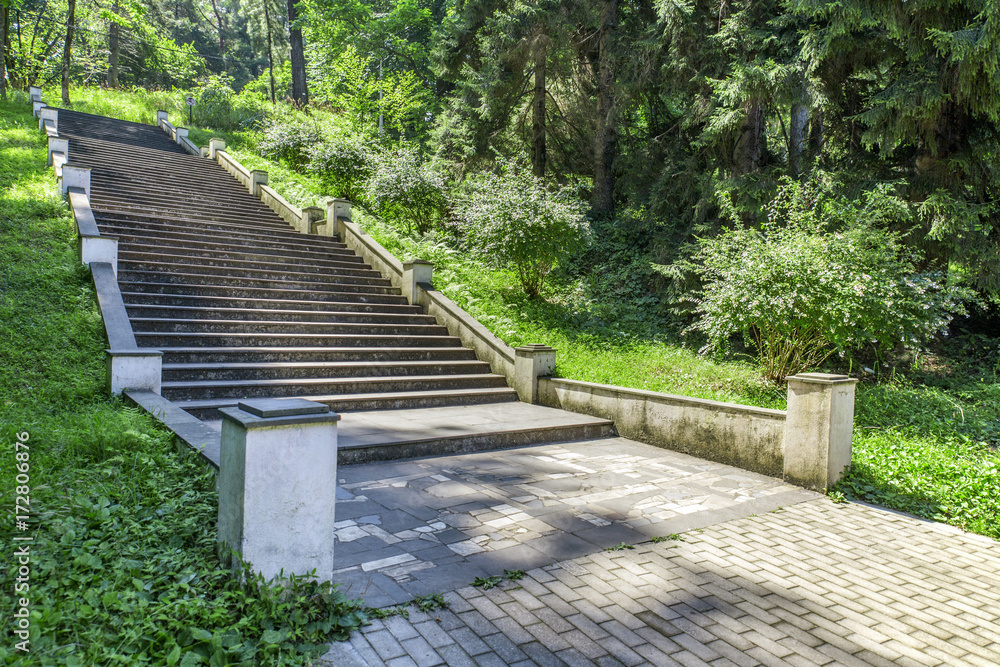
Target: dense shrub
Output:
[(289, 139), (343, 163), (820, 277), (403, 188), (514, 222), (219, 107)]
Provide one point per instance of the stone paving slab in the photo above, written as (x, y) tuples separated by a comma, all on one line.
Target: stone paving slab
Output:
[(814, 583), (409, 528)]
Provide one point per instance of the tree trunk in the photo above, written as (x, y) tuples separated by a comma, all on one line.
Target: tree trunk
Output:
[(798, 138), (4, 38), (68, 51), (300, 93), (538, 108), (113, 48), (606, 144), (218, 19), (270, 49), (748, 155), (815, 133)]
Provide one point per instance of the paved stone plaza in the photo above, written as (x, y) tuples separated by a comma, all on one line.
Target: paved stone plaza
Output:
[(811, 583)]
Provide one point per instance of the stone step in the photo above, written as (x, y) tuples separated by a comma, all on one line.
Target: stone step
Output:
[(243, 232), (180, 391), (233, 257), (142, 235), (249, 371), (187, 313), (102, 201), (223, 304), (353, 273), (148, 286), (279, 328), (215, 206), (160, 339), (356, 285), (264, 354), (209, 408)]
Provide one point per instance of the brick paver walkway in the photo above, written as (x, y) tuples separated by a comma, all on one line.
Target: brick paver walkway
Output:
[(815, 583)]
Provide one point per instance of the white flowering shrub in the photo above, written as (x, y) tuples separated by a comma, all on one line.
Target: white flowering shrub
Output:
[(514, 222), (820, 277), (404, 188)]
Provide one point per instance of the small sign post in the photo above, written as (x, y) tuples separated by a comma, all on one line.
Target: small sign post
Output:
[(190, 103)]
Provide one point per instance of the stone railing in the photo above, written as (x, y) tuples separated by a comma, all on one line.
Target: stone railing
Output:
[(127, 365)]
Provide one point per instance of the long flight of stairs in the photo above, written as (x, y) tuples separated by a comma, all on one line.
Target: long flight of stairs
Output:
[(244, 306)]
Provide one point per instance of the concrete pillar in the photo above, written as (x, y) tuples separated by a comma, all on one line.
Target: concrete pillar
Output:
[(310, 216), (530, 363), (215, 145), (818, 429), (415, 271), (136, 368), (35, 93), (58, 145), (58, 160), (335, 210), (100, 249), (75, 177), (180, 133), (258, 177), (277, 486), (162, 115), (36, 107), (48, 114)]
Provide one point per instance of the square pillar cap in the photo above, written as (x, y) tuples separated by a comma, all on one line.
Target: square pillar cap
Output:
[(528, 350), (282, 407), (414, 262), (821, 378), (265, 412), (133, 351)]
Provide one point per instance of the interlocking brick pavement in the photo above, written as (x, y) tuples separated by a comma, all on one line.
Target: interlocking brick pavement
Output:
[(815, 583)]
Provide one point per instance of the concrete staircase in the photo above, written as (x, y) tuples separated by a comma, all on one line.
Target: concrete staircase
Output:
[(244, 306)]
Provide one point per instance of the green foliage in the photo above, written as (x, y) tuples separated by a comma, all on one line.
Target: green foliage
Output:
[(818, 278), (621, 546), (344, 163), (513, 575), (404, 188), (513, 221), (290, 139), (124, 569), (219, 107), (430, 602), (486, 583)]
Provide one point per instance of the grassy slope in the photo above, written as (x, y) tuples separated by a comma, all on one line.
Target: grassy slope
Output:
[(124, 569), (924, 443)]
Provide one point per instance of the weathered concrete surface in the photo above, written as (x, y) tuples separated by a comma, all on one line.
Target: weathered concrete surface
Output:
[(532, 362), (740, 435), (819, 429), (277, 488)]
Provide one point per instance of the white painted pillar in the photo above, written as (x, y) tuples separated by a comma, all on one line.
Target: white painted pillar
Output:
[(162, 115), (530, 363), (36, 107), (58, 145), (277, 486), (258, 177), (180, 133), (34, 93), (337, 209), (140, 369), (214, 146), (74, 176), (415, 271), (819, 428), (48, 114)]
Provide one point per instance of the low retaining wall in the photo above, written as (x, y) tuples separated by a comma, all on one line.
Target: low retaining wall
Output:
[(741, 435)]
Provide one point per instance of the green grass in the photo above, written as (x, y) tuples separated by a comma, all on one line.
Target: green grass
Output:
[(124, 569)]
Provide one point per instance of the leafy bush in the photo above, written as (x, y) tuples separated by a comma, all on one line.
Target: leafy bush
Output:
[(514, 222), (289, 139), (818, 278), (404, 188), (344, 165), (219, 107)]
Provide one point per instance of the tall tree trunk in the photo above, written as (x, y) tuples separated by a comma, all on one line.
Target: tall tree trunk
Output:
[(816, 130), (798, 138), (538, 108), (113, 48), (4, 39), (218, 19), (300, 93), (748, 155), (606, 144), (270, 49), (68, 51)]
